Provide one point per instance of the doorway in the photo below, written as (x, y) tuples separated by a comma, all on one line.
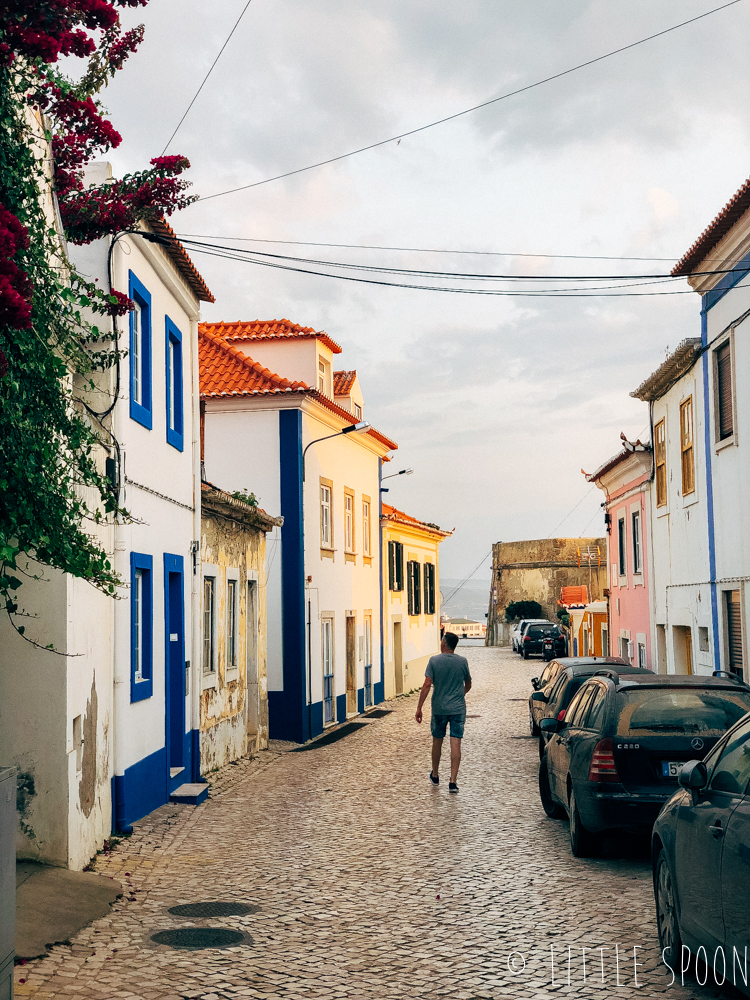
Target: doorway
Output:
[(682, 639), (174, 708), (251, 663), (351, 664), (398, 664)]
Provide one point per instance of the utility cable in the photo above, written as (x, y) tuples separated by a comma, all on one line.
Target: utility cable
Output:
[(587, 494), (466, 580), (459, 114), (210, 71)]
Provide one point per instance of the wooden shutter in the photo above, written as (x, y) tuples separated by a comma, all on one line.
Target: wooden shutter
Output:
[(734, 631), (399, 556), (409, 589), (417, 589), (724, 386), (391, 565)]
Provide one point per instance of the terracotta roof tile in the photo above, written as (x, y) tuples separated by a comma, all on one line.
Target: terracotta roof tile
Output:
[(226, 371), (179, 257), (343, 382), (270, 329), (731, 213), (398, 516)]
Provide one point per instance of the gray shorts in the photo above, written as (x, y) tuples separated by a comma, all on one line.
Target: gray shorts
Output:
[(439, 723)]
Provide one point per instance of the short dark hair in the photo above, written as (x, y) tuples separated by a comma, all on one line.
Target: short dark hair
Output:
[(451, 639)]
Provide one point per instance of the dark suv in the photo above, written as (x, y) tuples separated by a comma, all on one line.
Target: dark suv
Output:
[(614, 761), (536, 634)]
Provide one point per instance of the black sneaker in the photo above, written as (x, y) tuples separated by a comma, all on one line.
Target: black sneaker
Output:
[(433, 779), (452, 786)]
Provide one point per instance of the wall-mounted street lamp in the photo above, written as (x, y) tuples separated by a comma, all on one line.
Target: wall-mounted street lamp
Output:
[(403, 472), (361, 427)]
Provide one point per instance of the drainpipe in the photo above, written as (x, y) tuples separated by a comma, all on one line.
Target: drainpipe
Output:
[(709, 486)]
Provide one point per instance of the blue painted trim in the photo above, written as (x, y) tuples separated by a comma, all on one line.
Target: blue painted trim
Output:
[(195, 755), (378, 692), (360, 700), (316, 717), (173, 339), (141, 789), (707, 440), (738, 272), (141, 412), (143, 688), (341, 708), (289, 715), (174, 681)]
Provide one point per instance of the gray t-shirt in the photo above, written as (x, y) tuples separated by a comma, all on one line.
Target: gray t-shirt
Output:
[(448, 672)]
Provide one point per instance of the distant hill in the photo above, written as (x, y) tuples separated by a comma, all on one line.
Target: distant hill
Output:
[(471, 601)]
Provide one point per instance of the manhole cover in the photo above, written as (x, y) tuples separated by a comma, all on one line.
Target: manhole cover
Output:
[(217, 908), (192, 938)]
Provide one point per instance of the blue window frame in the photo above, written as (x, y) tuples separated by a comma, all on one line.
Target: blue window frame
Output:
[(141, 626), (173, 365), (140, 352)]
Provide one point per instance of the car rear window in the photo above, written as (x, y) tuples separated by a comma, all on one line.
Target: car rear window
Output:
[(538, 630), (647, 711)]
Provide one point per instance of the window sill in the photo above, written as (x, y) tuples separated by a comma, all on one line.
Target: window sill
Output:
[(350, 557), (367, 560), (690, 499), (231, 674), (209, 681), (661, 511), (638, 580), (326, 553), (726, 443)]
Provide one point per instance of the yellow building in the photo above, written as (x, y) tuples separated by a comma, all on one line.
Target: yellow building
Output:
[(411, 598), (234, 687)]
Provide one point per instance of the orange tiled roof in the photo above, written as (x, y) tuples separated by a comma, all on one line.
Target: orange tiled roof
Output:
[(343, 382), (398, 516), (270, 329), (179, 257), (731, 213), (226, 371)]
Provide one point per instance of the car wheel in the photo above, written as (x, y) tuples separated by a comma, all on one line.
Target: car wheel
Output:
[(553, 810), (533, 728), (583, 843), (670, 940)]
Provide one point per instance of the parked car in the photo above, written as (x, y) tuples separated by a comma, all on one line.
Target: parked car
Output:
[(574, 671), (700, 850), (533, 638), (613, 761), (517, 631)]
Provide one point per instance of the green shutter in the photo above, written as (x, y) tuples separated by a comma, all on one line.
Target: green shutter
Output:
[(391, 565)]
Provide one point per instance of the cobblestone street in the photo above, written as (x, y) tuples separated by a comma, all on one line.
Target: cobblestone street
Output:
[(372, 883)]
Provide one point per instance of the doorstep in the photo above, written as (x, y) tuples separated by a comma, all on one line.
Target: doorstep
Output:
[(190, 794)]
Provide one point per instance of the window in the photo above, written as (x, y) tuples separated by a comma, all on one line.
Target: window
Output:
[(326, 657), (174, 385), (141, 626), (232, 623), (395, 566), (642, 656), (414, 594), (349, 522), (732, 770), (596, 708), (724, 401), (686, 446), (368, 659), (140, 352), (326, 534), (324, 379), (660, 455), (622, 558), (358, 411), (636, 528), (734, 631), (429, 588), (209, 624), (366, 527)]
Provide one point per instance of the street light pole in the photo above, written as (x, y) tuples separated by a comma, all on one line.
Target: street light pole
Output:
[(363, 425), (403, 472)]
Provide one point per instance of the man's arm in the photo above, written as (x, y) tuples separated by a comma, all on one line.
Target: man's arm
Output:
[(422, 695), (467, 686)]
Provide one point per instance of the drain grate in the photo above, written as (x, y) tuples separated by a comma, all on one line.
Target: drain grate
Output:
[(216, 908), (193, 938)]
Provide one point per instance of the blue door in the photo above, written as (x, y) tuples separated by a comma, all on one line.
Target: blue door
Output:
[(174, 660)]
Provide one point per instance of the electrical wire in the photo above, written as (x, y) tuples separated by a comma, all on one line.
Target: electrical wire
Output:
[(587, 494), (476, 107), (466, 580), (210, 71)]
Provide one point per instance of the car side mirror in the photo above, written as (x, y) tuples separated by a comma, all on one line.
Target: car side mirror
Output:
[(535, 683), (549, 726), (693, 775), (539, 696)]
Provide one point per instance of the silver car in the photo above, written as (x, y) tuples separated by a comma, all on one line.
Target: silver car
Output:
[(518, 630)]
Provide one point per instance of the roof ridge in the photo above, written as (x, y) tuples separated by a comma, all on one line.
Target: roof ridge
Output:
[(260, 329)]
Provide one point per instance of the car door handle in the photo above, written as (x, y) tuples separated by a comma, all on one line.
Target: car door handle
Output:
[(717, 830)]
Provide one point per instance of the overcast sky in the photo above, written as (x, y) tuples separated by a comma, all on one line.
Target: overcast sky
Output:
[(496, 403)]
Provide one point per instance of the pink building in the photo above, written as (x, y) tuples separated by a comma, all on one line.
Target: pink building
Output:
[(625, 480)]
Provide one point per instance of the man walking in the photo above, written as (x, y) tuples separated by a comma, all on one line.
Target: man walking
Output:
[(450, 675)]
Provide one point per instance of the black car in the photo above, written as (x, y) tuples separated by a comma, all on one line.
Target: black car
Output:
[(553, 703), (700, 850), (613, 762), (535, 635)]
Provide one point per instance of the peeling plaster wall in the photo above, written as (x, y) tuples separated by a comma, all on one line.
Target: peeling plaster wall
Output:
[(233, 713)]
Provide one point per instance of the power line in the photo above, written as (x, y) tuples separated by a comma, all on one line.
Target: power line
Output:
[(466, 580), (210, 71), (587, 494), (364, 246), (476, 107)]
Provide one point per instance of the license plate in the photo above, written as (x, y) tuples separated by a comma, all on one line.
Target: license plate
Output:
[(671, 768)]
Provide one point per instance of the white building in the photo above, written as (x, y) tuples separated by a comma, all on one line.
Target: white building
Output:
[(324, 571), (103, 735)]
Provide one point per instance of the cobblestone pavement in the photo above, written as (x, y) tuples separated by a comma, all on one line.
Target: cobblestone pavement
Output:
[(373, 884)]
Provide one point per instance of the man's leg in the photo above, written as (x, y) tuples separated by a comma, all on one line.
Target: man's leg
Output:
[(437, 749), (455, 757)]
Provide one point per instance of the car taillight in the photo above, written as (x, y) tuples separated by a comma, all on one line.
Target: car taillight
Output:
[(603, 767), (561, 715), (527, 638)]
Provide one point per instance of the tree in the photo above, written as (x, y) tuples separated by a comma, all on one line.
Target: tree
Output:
[(523, 609)]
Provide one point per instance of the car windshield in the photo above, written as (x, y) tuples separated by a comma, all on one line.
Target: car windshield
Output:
[(704, 711), (539, 630)]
